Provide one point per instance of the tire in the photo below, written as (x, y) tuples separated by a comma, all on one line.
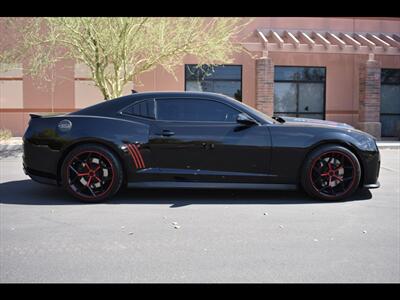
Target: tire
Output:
[(331, 172), (91, 173)]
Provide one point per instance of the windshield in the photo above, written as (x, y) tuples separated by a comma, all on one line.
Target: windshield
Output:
[(257, 113)]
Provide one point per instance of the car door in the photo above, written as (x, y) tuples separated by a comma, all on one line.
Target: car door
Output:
[(176, 139), (237, 153), (199, 139)]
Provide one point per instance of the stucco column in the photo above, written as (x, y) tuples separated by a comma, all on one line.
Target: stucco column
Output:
[(265, 85), (370, 97)]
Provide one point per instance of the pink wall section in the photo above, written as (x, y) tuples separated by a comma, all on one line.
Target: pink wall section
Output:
[(15, 121), (160, 80), (342, 69), (38, 93), (341, 81)]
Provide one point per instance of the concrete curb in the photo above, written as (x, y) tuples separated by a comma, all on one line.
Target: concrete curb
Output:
[(10, 147), (10, 151), (389, 146)]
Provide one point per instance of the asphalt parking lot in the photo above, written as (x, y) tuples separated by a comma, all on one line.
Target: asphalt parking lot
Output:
[(198, 235)]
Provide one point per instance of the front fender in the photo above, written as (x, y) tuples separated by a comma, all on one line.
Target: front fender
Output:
[(291, 145)]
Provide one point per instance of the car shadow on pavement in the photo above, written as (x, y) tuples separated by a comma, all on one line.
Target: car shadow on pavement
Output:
[(28, 192)]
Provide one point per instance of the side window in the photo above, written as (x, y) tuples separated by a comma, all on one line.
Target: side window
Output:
[(195, 110), (144, 109)]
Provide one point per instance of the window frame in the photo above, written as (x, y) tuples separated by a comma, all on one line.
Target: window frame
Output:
[(221, 80), (297, 90), (380, 108), (125, 113), (388, 83), (194, 98)]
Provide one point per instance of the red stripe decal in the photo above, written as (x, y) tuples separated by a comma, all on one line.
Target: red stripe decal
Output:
[(134, 158), (139, 154), (139, 164)]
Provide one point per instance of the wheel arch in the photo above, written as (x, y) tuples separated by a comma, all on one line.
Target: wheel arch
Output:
[(349, 146), (110, 146)]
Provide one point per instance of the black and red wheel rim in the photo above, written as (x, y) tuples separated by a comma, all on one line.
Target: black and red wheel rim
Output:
[(333, 174), (90, 175)]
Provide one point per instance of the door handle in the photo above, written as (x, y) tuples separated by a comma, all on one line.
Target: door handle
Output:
[(207, 146), (167, 133)]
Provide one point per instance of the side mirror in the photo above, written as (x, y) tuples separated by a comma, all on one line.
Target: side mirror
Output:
[(245, 119)]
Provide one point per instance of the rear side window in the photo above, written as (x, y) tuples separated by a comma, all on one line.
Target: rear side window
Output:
[(195, 110), (144, 109)]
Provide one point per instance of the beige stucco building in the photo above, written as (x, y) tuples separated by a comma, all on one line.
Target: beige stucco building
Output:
[(341, 69)]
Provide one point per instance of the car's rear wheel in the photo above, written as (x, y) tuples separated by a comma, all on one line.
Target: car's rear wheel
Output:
[(331, 173), (91, 173)]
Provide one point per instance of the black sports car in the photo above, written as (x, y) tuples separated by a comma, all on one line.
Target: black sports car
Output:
[(195, 140)]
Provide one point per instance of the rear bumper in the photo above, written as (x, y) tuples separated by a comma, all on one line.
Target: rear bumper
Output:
[(40, 162), (40, 176)]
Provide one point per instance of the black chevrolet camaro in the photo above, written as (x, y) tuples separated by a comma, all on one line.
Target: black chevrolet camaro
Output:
[(195, 140)]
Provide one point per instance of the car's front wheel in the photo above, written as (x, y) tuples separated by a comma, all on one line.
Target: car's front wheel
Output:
[(91, 173), (331, 172)]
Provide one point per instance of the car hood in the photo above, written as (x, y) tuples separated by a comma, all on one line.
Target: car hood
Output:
[(315, 122)]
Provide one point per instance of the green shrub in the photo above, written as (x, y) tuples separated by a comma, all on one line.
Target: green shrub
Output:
[(5, 134)]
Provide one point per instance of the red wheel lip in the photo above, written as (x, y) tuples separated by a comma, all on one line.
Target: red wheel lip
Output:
[(312, 167), (112, 177)]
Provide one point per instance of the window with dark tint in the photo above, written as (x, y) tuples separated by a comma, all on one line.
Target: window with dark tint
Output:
[(390, 102), (299, 74), (299, 92), (223, 79), (143, 109), (195, 110)]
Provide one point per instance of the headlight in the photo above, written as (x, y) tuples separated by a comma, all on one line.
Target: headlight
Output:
[(367, 143)]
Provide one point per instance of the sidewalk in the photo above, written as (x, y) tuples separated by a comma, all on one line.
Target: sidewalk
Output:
[(12, 141), (11, 147), (388, 144)]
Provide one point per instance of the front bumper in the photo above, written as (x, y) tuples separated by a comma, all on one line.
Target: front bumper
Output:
[(371, 167), (372, 185)]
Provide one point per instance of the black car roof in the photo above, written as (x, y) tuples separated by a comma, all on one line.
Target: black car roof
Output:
[(167, 94), (112, 106), (176, 93)]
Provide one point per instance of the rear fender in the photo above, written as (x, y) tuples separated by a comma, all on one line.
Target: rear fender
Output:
[(48, 139)]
